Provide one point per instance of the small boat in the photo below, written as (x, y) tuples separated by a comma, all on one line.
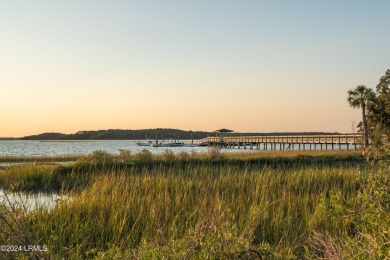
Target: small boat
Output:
[(145, 143), (171, 143), (191, 145)]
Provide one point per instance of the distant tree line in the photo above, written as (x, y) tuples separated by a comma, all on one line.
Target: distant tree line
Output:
[(119, 134), (159, 133), (375, 107)]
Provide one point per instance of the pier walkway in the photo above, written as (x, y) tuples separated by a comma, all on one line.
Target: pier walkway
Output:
[(288, 142)]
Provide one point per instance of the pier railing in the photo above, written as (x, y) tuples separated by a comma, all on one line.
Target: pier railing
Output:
[(289, 142)]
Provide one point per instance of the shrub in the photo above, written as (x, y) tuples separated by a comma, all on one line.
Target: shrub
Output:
[(365, 223)]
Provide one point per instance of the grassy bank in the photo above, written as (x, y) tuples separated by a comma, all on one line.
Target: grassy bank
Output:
[(190, 206), (38, 159), (76, 175)]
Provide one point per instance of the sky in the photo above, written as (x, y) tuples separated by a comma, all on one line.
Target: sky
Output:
[(250, 66)]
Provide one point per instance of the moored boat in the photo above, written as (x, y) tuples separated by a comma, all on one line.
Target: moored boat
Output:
[(145, 143), (171, 143)]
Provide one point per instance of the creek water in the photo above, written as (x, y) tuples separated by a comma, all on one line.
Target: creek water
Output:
[(30, 201), (22, 148), (53, 148)]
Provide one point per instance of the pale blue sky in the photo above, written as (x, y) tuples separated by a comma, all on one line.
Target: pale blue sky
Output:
[(246, 65)]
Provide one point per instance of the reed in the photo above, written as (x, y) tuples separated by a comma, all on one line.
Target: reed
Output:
[(40, 178), (192, 206), (36, 159), (47, 177)]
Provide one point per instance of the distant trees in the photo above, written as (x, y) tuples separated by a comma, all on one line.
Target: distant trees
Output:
[(380, 112), (45, 136), (119, 134), (375, 109)]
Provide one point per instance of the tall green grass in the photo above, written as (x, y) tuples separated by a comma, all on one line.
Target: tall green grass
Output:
[(190, 206), (154, 207), (38, 178), (36, 159)]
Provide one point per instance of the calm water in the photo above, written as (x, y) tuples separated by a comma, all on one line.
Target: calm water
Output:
[(31, 201), (39, 148), (53, 148)]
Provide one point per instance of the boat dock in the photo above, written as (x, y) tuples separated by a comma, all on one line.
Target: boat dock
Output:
[(287, 142)]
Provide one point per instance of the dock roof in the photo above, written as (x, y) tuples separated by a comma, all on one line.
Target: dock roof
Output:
[(224, 130)]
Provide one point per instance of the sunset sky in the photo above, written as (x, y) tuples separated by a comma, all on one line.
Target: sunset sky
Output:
[(250, 66)]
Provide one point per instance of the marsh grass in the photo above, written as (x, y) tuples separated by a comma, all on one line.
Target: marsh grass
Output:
[(37, 159), (15, 229), (155, 208), (101, 161), (40, 178), (196, 206)]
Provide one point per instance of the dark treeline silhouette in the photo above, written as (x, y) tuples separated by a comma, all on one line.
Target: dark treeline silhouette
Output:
[(160, 133), (119, 134)]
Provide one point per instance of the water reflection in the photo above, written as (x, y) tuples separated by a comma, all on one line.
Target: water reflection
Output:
[(22, 148), (31, 201), (35, 148)]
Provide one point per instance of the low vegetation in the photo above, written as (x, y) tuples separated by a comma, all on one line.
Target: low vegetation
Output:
[(38, 177), (203, 206), (38, 159)]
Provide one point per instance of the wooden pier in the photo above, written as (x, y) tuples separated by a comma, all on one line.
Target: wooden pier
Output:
[(288, 142)]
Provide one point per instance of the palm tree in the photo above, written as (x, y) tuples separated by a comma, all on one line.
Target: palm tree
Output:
[(361, 97)]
